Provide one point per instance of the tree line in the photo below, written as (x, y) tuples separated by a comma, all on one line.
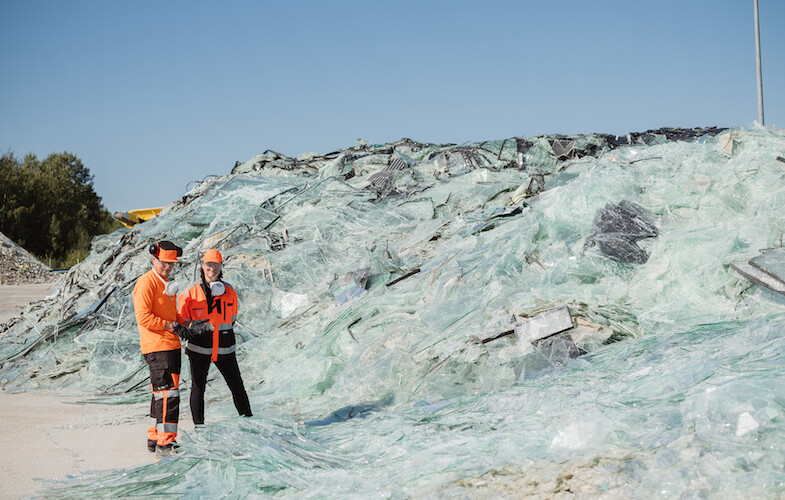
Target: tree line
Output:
[(49, 207)]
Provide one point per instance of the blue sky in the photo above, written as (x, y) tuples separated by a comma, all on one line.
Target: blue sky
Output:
[(154, 95)]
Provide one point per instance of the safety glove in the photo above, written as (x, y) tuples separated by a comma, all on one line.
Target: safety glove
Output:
[(200, 327), (183, 332), (195, 329)]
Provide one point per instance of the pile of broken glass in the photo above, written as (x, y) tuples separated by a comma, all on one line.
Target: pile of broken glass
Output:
[(541, 315)]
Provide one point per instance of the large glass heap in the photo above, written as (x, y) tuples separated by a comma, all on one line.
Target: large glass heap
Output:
[(383, 294)]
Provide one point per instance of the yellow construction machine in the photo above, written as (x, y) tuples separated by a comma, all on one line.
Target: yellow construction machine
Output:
[(133, 217)]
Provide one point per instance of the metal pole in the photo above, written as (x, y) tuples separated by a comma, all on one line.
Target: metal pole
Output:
[(758, 63)]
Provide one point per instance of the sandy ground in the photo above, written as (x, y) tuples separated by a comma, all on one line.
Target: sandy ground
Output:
[(45, 437), (14, 297)]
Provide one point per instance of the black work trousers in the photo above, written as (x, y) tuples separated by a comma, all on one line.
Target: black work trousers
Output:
[(227, 365), (165, 403)]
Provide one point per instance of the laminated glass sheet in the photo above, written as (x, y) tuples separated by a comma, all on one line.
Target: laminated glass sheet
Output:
[(772, 263)]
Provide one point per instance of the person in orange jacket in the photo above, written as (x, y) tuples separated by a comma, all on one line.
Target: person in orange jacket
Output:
[(160, 330), (213, 299)]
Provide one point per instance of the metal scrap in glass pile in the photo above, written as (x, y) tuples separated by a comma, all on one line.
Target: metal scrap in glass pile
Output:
[(539, 156), (381, 182)]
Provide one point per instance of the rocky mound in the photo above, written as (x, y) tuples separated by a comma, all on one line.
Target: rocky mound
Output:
[(19, 267)]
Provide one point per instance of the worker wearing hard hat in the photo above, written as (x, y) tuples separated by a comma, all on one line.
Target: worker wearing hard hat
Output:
[(159, 331), (213, 299)]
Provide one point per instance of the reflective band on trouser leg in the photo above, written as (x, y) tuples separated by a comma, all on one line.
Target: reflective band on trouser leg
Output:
[(170, 414), (167, 394)]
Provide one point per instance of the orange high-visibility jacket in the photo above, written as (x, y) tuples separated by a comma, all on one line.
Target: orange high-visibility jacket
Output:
[(153, 308), (221, 311)]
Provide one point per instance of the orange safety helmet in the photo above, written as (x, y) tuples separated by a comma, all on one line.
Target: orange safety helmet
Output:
[(165, 251), (212, 255)]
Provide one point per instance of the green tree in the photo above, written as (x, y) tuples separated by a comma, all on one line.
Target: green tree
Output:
[(16, 203), (50, 207)]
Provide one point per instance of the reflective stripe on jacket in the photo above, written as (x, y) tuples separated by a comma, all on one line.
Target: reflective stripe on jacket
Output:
[(221, 311), (153, 308)]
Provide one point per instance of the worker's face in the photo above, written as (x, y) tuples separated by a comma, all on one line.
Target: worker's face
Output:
[(162, 268), (211, 271)]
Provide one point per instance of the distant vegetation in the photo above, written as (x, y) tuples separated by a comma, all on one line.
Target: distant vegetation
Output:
[(49, 207)]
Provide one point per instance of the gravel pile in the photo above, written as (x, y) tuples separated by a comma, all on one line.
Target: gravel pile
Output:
[(19, 267)]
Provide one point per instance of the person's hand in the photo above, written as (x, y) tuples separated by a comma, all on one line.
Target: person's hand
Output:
[(200, 327), (183, 332)]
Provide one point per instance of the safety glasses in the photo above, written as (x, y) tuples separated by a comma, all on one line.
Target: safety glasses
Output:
[(163, 262)]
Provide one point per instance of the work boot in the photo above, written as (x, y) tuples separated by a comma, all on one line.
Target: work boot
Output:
[(151, 444), (166, 450)]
